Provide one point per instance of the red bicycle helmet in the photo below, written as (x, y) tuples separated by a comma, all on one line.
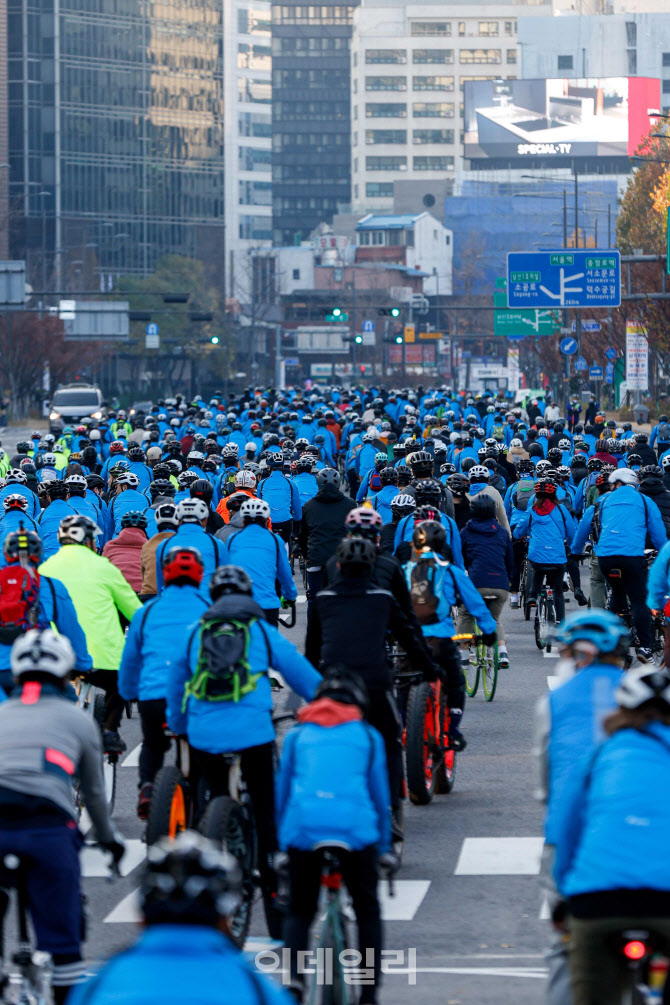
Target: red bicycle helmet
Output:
[(545, 487), (182, 564)]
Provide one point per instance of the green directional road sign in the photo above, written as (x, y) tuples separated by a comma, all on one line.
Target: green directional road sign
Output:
[(516, 323)]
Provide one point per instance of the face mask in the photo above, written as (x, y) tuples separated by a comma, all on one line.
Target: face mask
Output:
[(565, 668)]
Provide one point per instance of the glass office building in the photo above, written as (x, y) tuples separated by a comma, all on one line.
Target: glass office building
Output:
[(311, 120), (116, 113)]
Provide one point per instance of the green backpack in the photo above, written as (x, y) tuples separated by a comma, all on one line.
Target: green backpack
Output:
[(223, 671)]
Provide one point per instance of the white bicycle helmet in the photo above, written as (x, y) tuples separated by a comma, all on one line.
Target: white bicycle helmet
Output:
[(15, 501), (128, 478), (245, 480), (15, 477), (641, 684), (43, 650), (623, 476), (195, 457), (254, 508), (564, 444), (478, 472), (192, 511), (77, 529), (76, 480)]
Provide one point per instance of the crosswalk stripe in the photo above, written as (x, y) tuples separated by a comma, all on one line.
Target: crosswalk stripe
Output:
[(545, 913), (550, 656), (301, 599), (553, 682), (501, 856), (95, 861), (133, 758), (409, 895)]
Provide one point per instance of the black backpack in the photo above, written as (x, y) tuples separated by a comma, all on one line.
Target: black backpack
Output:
[(223, 671)]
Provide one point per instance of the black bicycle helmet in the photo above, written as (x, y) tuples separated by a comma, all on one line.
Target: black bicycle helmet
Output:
[(405, 476), (428, 492), (356, 554), (202, 489), (23, 542), (161, 487), (58, 490), (344, 686), (448, 468), (328, 476), (458, 484), (650, 471), (483, 507), (429, 534), (388, 476), (525, 466), (189, 880), (229, 579), (421, 464), (94, 481)]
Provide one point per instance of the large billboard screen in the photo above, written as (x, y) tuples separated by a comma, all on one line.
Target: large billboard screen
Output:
[(559, 118)]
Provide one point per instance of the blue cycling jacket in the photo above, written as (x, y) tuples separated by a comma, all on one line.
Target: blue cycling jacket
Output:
[(10, 522), (149, 646), (549, 534), (626, 517), (192, 535), (262, 554), (405, 530), (128, 500), (282, 496), (34, 508), (220, 727), (452, 587), (332, 783), (160, 967), (305, 482), (48, 524), (381, 501)]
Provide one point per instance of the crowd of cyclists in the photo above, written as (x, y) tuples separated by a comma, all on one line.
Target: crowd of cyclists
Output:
[(151, 556)]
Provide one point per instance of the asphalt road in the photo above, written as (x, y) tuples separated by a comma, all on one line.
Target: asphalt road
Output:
[(467, 896)]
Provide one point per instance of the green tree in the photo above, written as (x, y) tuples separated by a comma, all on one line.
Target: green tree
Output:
[(641, 222)]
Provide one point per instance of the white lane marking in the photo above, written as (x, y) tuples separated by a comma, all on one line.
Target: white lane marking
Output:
[(301, 599), (545, 913), (133, 758), (533, 973), (553, 682), (502, 856), (95, 861), (409, 895), (550, 656), (126, 911)]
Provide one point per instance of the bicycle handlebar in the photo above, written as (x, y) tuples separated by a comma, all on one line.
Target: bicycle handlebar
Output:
[(290, 622)]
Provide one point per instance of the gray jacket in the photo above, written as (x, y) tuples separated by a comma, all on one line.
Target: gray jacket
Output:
[(45, 746)]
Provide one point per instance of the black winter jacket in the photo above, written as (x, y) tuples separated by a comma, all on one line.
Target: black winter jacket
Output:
[(654, 489), (322, 526)]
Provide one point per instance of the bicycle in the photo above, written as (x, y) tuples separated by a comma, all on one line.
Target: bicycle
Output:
[(483, 664), (523, 587), (172, 800), (92, 701), (330, 986), (545, 618)]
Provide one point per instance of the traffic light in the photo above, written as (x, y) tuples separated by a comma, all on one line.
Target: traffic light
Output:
[(389, 312), (399, 339), (337, 314), (214, 340), (358, 339)]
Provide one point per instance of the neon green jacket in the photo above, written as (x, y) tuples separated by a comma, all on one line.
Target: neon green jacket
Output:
[(98, 591)]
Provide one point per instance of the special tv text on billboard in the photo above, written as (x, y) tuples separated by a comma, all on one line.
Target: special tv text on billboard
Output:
[(557, 118)]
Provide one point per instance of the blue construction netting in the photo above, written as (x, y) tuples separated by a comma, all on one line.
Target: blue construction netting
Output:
[(492, 218)]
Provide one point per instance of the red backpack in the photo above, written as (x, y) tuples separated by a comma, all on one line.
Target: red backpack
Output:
[(19, 601)]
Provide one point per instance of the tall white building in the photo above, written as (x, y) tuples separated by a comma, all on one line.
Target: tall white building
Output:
[(409, 64), (247, 67), (615, 45)]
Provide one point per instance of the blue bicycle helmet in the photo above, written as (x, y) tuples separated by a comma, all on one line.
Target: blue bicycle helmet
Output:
[(604, 629)]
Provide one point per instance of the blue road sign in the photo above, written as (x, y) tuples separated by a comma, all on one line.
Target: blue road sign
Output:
[(569, 346), (564, 279), (291, 361), (581, 364), (587, 326), (610, 353), (368, 325), (151, 328), (595, 372), (609, 373)]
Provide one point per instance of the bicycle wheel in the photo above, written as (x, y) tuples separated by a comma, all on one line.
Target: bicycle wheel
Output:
[(335, 992), (109, 767), (471, 674), (170, 810), (226, 823), (421, 742), (540, 618), (445, 772), (490, 671)]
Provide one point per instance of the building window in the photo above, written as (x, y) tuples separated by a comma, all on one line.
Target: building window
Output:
[(385, 55), (385, 163), (429, 110), (385, 83), (379, 190), (666, 87), (511, 56), (461, 28), (480, 56), (447, 239), (632, 62), (386, 136), (386, 110), (431, 28), (433, 83), (433, 56), (666, 59), (426, 163), (296, 273), (510, 27), (564, 63), (433, 136), (631, 33), (488, 27)]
